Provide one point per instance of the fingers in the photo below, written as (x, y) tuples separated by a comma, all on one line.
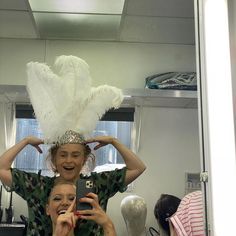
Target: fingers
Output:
[(87, 200), (35, 142), (93, 196), (67, 219), (92, 199), (41, 141), (39, 149), (74, 219), (96, 214), (98, 139), (98, 146), (91, 140), (71, 207)]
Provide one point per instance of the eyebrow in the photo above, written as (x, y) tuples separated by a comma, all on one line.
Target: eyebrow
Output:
[(67, 151), (61, 194)]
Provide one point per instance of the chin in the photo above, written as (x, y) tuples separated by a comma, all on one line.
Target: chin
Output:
[(70, 176), (67, 176)]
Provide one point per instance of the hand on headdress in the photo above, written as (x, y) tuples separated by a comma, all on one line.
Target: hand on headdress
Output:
[(35, 142), (101, 140)]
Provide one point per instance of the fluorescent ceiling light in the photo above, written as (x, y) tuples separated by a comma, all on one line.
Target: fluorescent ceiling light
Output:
[(78, 6), (79, 26)]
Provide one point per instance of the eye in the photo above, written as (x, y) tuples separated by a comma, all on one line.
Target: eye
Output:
[(56, 198), (77, 154), (62, 154), (71, 198)]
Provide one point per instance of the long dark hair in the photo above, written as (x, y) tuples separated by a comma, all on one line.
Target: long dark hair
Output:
[(165, 207)]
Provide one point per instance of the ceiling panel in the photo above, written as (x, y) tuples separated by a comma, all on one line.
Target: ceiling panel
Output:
[(16, 24), (80, 26), (86, 6), (13, 5), (171, 8), (155, 21)]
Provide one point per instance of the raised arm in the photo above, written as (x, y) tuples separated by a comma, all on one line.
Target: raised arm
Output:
[(9, 156), (135, 166)]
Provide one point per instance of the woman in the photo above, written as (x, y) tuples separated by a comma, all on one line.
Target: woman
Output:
[(61, 206), (67, 160), (181, 217), (165, 207)]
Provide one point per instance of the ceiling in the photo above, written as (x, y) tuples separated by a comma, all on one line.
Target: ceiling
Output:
[(147, 21)]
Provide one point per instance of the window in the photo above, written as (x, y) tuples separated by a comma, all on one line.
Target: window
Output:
[(118, 124)]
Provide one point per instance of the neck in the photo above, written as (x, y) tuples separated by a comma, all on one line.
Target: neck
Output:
[(59, 178), (136, 230), (71, 233), (135, 233)]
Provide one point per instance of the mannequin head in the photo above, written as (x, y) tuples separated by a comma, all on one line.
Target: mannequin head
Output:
[(134, 211)]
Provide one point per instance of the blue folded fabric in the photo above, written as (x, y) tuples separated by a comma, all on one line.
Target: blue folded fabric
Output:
[(172, 80)]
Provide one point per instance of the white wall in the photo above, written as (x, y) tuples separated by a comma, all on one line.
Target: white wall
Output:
[(124, 65), (169, 147)]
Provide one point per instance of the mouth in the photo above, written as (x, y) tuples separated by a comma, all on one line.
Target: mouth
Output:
[(60, 212), (68, 168)]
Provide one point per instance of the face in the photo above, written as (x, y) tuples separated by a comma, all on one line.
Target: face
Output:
[(69, 160), (60, 199)]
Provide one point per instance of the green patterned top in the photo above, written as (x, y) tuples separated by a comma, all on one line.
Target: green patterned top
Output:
[(35, 189)]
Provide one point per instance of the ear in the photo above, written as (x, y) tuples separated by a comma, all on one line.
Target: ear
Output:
[(47, 210), (85, 159)]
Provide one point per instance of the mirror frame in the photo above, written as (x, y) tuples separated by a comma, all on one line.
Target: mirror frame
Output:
[(216, 114)]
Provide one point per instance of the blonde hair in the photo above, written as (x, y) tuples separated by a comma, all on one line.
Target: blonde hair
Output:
[(60, 181)]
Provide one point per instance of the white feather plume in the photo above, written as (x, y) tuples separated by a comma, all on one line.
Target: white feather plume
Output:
[(64, 100)]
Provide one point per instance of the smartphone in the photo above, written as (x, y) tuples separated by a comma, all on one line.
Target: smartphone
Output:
[(83, 187)]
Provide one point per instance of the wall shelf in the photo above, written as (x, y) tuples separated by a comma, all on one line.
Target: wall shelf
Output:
[(160, 98), (133, 97)]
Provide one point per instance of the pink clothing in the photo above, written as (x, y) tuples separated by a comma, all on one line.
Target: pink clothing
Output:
[(188, 219)]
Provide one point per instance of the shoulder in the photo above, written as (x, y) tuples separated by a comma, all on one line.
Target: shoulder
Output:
[(102, 174), (191, 204), (192, 198), (31, 181)]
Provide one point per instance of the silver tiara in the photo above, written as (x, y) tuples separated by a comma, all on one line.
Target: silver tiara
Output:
[(71, 137)]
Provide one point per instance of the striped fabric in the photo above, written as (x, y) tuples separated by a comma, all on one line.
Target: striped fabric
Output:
[(188, 219)]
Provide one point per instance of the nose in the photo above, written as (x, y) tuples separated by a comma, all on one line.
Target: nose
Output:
[(68, 158), (65, 201)]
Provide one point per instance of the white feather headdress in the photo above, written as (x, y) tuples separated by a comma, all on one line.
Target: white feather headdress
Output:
[(64, 100)]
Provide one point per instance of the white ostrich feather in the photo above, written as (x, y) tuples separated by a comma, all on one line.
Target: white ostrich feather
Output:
[(64, 100)]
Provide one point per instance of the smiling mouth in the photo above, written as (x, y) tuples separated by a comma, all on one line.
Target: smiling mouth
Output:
[(68, 168), (61, 212)]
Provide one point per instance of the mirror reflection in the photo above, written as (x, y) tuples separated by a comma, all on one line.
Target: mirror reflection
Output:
[(134, 48)]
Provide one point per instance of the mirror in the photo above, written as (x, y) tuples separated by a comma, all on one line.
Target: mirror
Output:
[(152, 37)]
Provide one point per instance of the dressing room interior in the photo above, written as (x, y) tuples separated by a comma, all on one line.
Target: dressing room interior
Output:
[(133, 45)]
